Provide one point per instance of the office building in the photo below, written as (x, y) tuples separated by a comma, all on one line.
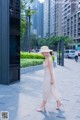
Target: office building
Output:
[(37, 19), (52, 18), (71, 19)]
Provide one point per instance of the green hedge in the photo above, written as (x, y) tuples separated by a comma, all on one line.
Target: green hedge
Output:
[(31, 62), (53, 58), (31, 55), (31, 59)]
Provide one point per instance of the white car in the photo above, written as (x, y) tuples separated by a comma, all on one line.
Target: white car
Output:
[(69, 53)]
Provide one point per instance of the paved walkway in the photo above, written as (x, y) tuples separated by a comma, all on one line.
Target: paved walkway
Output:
[(23, 98)]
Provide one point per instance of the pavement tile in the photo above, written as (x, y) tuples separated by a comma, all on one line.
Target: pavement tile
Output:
[(23, 98)]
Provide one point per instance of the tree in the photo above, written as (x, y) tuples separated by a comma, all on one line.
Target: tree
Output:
[(33, 41), (26, 14), (42, 41), (22, 30), (52, 42)]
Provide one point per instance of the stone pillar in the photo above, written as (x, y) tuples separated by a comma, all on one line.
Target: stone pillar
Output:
[(9, 60)]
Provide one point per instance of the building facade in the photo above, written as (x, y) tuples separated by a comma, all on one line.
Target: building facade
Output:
[(62, 17), (46, 17), (71, 19), (52, 18), (37, 19), (58, 17)]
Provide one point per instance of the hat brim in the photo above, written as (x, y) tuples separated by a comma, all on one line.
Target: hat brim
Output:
[(42, 51)]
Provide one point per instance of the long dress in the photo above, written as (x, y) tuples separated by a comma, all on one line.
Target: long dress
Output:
[(48, 89)]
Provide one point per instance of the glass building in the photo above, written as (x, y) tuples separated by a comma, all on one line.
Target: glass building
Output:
[(37, 19)]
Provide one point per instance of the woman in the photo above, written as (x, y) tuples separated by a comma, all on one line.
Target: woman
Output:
[(49, 86), (76, 56)]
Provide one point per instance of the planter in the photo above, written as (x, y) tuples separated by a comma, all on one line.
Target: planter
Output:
[(34, 68), (31, 69)]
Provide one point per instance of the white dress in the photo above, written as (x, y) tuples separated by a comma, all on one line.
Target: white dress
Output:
[(48, 89)]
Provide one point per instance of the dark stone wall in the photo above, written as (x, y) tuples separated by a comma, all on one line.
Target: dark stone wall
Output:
[(4, 38), (0, 41)]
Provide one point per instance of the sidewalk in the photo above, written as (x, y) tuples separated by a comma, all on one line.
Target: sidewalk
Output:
[(23, 98)]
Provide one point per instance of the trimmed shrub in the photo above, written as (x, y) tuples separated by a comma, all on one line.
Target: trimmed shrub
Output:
[(53, 58), (31, 55), (30, 62), (31, 59)]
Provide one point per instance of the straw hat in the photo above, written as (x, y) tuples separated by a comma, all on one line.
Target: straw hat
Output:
[(45, 49)]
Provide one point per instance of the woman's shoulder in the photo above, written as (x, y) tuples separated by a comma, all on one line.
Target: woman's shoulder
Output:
[(50, 59)]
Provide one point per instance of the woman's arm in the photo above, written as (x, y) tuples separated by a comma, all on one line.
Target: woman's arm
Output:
[(50, 65)]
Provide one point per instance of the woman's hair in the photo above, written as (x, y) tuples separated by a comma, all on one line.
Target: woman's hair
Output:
[(51, 53)]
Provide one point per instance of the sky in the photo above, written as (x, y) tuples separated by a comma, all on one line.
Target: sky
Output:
[(41, 1)]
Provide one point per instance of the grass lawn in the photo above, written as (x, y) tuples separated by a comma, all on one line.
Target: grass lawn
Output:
[(30, 62)]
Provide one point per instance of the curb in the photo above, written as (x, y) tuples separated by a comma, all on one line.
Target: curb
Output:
[(30, 69), (33, 68)]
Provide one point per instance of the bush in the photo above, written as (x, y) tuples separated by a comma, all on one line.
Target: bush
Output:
[(31, 59), (53, 58), (31, 55), (31, 62)]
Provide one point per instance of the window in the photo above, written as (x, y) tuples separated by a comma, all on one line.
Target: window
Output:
[(66, 51)]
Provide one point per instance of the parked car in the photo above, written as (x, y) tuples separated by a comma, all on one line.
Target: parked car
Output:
[(69, 53), (37, 50), (33, 50)]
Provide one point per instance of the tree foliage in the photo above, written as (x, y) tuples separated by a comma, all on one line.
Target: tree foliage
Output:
[(33, 41), (53, 41), (22, 30), (26, 12)]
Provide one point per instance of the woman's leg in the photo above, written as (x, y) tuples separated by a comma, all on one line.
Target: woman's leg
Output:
[(43, 104), (46, 95), (57, 96), (58, 104), (42, 108)]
